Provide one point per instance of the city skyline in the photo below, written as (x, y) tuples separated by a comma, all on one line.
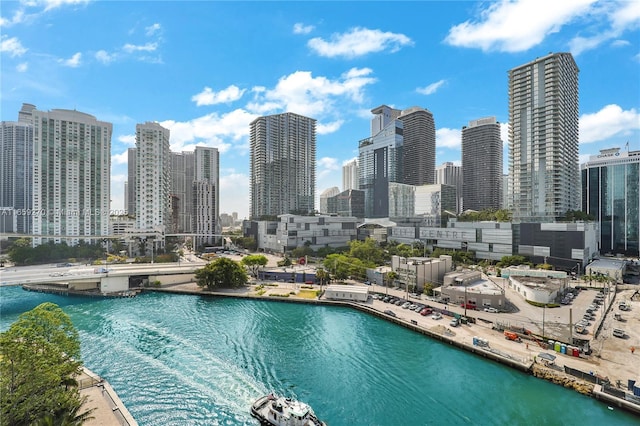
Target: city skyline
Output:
[(333, 62)]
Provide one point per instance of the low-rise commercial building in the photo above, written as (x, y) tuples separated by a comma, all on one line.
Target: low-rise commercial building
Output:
[(536, 285), (292, 231), (471, 288), (356, 293), (612, 268), (414, 272)]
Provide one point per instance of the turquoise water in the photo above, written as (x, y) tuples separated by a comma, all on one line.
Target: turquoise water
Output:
[(190, 360)]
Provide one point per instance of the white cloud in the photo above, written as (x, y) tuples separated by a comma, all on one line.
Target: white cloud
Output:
[(12, 46), (234, 192), (121, 158), (327, 166), (105, 57), (52, 4), (127, 139), (432, 88), (23, 67), (311, 96), (619, 16), (345, 162), (515, 26), (209, 97), (147, 47), (152, 29), (18, 17), (620, 43), (504, 133), (608, 122), (300, 28), (448, 138), (358, 42), (326, 128), (211, 130), (73, 62)]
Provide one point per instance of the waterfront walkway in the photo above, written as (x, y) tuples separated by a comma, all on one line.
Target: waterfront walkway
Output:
[(107, 407)]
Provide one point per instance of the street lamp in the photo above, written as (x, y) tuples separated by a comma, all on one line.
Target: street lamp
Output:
[(543, 312)]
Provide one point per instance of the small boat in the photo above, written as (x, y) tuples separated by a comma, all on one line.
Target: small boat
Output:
[(280, 411)]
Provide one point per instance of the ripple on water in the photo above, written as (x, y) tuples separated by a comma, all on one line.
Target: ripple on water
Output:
[(178, 360)]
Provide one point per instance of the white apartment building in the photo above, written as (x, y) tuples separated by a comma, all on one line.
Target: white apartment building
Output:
[(350, 175), (71, 175), (153, 178), (206, 195)]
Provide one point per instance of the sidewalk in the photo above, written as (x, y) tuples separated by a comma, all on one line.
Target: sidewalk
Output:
[(108, 408)]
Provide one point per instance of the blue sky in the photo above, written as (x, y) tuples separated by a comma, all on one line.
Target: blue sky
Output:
[(206, 69)]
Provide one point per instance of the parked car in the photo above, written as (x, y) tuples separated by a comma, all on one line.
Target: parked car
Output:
[(490, 309), (436, 316), (390, 313), (426, 311), (454, 322), (618, 333), (406, 305)]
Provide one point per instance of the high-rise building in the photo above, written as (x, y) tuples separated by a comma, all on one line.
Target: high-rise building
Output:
[(325, 195), (380, 160), (16, 164), (153, 178), (347, 203), (283, 165), (182, 167), (611, 193), (350, 175), (481, 165), (451, 174), (130, 194), (419, 141), (71, 175), (507, 198), (430, 202), (206, 195), (543, 138)]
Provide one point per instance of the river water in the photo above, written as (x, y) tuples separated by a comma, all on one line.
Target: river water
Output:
[(192, 360)]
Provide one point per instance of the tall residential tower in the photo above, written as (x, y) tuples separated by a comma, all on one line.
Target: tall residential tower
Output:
[(350, 175), (71, 175), (482, 165), (283, 165), (543, 138), (419, 141), (153, 178)]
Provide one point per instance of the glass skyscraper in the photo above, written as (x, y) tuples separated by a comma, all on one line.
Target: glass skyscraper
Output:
[(611, 193)]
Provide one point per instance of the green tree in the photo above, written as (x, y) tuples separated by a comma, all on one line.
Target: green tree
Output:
[(284, 262), (248, 243), (221, 273), (514, 260), (391, 277), (254, 262), (39, 359), (322, 275), (367, 251)]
